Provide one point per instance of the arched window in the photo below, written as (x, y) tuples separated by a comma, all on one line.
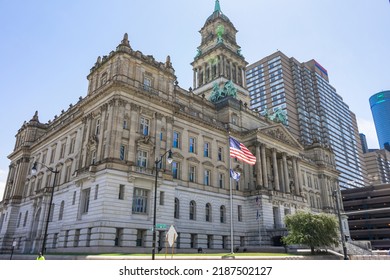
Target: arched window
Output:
[(177, 208), (222, 214), (61, 214), (192, 210), (208, 212)]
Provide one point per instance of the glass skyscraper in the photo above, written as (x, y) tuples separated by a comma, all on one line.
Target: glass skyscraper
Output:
[(314, 110), (380, 108)]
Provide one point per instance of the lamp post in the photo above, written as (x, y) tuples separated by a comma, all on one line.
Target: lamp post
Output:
[(55, 171), (336, 196), (157, 162)]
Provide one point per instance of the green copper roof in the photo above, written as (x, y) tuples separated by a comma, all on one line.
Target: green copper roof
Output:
[(217, 6), (217, 13)]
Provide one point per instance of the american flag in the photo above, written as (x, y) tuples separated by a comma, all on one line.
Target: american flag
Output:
[(239, 151)]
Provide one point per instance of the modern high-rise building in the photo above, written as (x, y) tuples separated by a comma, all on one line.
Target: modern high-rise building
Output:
[(363, 142), (380, 108), (377, 163), (104, 161), (312, 109)]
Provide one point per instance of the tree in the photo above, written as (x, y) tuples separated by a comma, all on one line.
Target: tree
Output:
[(313, 230)]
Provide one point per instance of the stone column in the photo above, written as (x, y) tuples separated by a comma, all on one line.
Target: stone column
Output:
[(88, 122), (295, 170), (264, 166), (299, 176), (169, 121), (158, 118), (281, 179), (285, 168), (194, 78), (20, 178), (99, 152), (275, 168), (133, 130), (259, 175)]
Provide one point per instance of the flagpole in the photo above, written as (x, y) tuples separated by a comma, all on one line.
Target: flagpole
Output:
[(231, 199)]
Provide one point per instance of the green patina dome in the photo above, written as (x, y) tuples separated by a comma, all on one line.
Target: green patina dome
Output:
[(217, 14)]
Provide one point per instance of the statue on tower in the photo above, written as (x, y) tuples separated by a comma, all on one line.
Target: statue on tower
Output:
[(220, 31)]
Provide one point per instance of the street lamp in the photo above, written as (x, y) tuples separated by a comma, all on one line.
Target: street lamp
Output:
[(157, 162), (55, 171), (336, 196)]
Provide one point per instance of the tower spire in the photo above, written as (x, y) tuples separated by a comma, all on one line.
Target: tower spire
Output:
[(217, 6)]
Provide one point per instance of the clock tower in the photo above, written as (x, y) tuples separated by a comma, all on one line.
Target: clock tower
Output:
[(219, 66)]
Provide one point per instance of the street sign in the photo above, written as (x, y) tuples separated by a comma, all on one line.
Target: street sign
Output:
[(161, 226)]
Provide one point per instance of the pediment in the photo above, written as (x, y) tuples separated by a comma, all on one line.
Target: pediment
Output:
[(280, 133), (208, 163), (193, 159), (221, 167), (177, 155)]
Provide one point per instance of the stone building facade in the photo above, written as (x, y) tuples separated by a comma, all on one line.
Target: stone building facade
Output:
[(105, 149)]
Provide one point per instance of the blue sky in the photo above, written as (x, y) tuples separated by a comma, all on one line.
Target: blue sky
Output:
[(48, 47)]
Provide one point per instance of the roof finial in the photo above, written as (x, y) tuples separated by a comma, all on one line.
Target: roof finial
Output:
[(217, 6)]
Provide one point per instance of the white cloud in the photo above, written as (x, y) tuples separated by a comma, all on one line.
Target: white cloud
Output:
[(367, 127)]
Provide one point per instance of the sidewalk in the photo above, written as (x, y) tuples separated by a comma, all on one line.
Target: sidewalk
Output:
[(168, 257)]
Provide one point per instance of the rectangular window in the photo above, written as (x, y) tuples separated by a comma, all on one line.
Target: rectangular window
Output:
[(85, 200), (68, 173), (122, 152), (72, 145), (118, 237), (175, 170), (74, 198), (224, 241), (144, 126), (76, 238), (55, 240), (142, 159), (52, 153), (176, 140), (88, 241), (210, 239), (239, 213), (242, 241), (194, 240), (97, 128), (207, 174), (147, 83), (44, 155), (140, 201), (221, 180), (192, 174), (206, 149), (96, 192), (66, 238), (51, 212), (220, 153), (192, 145), (62, 151), (121, 192), (124, 124), (141, 234)]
